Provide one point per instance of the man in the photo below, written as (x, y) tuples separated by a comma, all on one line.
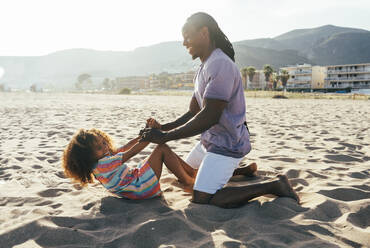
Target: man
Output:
[(217, 112)]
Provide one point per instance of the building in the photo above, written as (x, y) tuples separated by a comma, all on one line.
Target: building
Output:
[(131, 82), (353, 76), (305, 76)]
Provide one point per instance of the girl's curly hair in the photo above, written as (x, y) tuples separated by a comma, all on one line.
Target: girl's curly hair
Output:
[(79, 157)]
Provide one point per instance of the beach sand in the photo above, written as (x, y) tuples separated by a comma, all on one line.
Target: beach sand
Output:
[(323, 146)]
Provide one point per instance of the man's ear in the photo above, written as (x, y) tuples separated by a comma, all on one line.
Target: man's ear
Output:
[(204, 32)]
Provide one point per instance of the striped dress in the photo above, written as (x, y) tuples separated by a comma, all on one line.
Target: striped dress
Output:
[(123, 181)]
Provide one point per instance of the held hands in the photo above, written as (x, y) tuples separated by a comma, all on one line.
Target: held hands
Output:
[(153, 135), (152, 132), (151, 122)]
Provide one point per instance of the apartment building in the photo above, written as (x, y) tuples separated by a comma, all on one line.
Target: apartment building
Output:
[(305, 76), (354, 76), (132, 82)]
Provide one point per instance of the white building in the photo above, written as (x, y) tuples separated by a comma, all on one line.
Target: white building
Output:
[(354, 76), (305, 76)]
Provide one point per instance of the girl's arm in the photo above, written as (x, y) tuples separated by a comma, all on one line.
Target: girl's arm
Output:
[(130, 144), (134, 150)]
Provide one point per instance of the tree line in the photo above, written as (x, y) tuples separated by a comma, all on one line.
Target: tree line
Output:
[(270, 76)]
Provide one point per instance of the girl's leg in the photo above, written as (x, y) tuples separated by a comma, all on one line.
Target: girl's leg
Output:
[(162, 153), (155, 161), (190, 170)]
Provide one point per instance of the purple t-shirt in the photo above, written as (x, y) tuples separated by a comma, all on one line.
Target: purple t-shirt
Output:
[(219, 78)]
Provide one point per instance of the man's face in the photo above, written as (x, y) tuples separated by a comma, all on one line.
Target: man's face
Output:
[(193, 41)]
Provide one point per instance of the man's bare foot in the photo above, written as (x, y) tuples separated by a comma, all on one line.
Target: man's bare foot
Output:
[(249, 171), (284, 189)]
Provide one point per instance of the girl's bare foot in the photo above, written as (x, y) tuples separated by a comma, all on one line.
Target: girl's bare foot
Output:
[(284, 188), (188, 186)]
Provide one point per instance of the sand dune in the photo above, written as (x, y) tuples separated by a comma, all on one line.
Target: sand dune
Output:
[(323, 146)]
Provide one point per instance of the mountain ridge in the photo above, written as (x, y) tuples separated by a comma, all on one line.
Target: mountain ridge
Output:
[(325, 45)]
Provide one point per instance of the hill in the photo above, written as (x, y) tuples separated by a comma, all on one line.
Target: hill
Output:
[(326, 45)]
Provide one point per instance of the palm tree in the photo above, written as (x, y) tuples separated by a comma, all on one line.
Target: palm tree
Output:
[(284, 77), (267, 70), (275, 79), (251, 71), (244, 72)]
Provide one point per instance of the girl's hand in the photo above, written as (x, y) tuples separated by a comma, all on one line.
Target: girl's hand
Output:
[(153, 123)]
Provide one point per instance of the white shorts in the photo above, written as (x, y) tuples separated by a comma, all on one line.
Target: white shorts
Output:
[(215, 170)]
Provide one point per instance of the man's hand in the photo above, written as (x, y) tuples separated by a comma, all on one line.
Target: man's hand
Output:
[(142, 131), (151, 122), (154, 135)]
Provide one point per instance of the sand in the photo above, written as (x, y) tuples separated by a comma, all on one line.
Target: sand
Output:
[(323, 146)]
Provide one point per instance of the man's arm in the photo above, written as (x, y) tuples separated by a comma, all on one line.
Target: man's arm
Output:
[(193, 110), (205, 119)]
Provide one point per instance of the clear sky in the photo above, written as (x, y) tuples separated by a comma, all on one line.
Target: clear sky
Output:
[(39, 27)]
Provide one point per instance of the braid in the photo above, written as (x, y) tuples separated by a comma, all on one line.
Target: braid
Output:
[(201, 19), (222, 42)]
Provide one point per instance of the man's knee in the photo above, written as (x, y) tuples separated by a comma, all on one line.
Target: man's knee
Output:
[(201, 197), (224, 198)]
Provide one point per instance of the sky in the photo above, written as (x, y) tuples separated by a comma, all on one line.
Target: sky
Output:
[(40, 27)]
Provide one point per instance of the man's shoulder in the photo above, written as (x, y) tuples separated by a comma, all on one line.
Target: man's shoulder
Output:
[(219, 60), (218, 56)]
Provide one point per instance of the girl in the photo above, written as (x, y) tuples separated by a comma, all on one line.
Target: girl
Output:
[(90, 154)]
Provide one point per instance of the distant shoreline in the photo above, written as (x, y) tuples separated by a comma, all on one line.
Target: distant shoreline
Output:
[(248, 94)]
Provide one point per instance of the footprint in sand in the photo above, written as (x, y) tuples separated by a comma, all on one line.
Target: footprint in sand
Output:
[(312, 148), (51, 133), (89, 205), (346, 194), (317, 174), (292, 173), (41, 158), (288, 160), (44, 203), (55, 206), (52, 161), (332, 139), (326, 211), (360, 218), (358, 175), (343, 158), (350, 146), (60, 174), (339, 148), (313, 160), (5, 161), (53, 192)]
